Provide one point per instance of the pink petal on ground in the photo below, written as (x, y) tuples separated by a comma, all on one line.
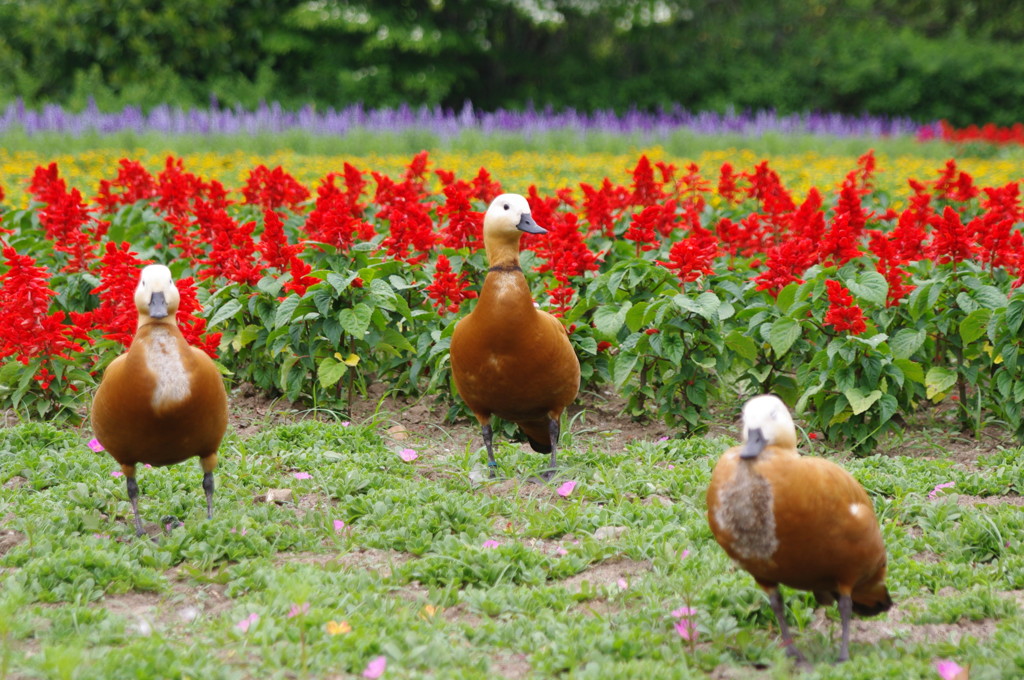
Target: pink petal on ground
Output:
[(95, 445), (622, 584), (683, 611), (683, 555), (298, 609), (947, 670), (117, 473), (408, 455), (338, 525), (687, 629), (491, 543), (247, 622), (566, 488), (303, 475), (376, 668)]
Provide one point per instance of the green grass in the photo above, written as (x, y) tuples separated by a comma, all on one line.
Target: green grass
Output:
[(81, 597), (363, 143)]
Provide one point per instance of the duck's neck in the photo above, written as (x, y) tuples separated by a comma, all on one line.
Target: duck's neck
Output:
[(503, 253), (170, 320)]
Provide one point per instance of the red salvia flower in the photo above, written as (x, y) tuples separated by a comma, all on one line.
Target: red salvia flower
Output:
[(135, 184), (119, 276), (786, 263), (448, 289), (951, 240), (727, 184), (463, 226), (646, 191), (28, 329), (840, 243), (646, 225), (46, 185), (604, 206), (274, 246), (300, 281), (335, 218), (66, 221), (485, 188), (693, 257), (232, 253), (192, 326), (561, 297), (273, 189), (843, 315), (565, 252)]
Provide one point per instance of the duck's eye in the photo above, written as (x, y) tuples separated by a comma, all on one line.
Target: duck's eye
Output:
[(506, 206)]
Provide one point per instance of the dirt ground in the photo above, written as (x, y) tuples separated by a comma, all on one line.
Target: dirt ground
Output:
[(420, 423)]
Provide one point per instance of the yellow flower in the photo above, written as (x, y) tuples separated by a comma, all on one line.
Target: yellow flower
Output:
[(338, 627), (429, 611)]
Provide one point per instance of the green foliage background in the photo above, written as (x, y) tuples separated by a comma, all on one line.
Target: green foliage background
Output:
[(961, 61)]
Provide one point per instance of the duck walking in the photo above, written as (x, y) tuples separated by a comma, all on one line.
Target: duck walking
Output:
[(162, 401), (510, 359), (798, 521)]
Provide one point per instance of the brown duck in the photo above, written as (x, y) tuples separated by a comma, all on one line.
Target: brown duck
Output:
[(510, 359), (162, 401), (798, 521)]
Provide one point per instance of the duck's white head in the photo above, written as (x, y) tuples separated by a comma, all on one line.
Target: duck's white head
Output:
[(766, 422), (156, 296), (508, 214)]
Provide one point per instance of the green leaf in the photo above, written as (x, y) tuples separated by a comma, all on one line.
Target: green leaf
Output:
[(906, 341), (869, 287), (706, 304), (911, 370), (356, 320), (223, 313), (973, 326), (742, 344), (861, 400), (330, 371), (285, 309), (635, 317), (989, 297), (784, 333), (623, 367), (245, 336), (1014, 315), (938, 381), (608, 320)]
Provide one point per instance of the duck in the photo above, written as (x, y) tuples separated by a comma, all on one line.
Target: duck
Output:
[(508, 358), (799, 521), (163, 401)]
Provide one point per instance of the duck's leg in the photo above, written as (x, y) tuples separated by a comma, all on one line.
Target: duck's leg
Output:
[(133, 495), (845, 611), (208, 463), (554, 430), (488, 434), (775, 598)]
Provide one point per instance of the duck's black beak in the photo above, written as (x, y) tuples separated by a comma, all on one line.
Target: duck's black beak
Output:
[(754, 443), (157, 305), (527, 224)]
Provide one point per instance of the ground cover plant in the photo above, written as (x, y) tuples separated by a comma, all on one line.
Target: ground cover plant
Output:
[(884, 297)]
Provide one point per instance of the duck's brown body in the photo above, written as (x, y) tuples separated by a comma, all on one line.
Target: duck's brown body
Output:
[(789, 519), (798, 521), (510, 359), (142, 415), (161, 402)]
